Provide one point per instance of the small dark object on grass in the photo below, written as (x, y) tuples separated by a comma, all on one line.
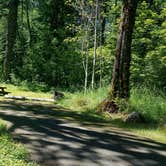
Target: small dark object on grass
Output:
[(3, 92), (134, 117), (58, 95)]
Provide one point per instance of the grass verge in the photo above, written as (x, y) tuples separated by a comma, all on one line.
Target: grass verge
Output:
[(150, 103), (12, 153)]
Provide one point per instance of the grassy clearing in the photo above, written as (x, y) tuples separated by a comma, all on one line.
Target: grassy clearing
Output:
[(151, 104), (82, 107), (81, 102), (24, 91), (12, 153)]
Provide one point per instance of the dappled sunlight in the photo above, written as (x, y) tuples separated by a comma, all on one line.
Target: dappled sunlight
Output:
[(52, 139)]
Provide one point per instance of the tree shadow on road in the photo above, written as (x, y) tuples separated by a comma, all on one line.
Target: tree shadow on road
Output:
[(53, 141)]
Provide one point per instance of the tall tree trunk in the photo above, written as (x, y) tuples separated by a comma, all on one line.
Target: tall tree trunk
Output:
[(28, 22), (103, 13), (121, 71), (115, 2), (86, 67), (102, 21), (57, 14), (95, 45), (11, 38)]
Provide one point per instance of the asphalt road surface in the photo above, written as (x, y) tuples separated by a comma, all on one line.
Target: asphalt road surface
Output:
[(53, 141)]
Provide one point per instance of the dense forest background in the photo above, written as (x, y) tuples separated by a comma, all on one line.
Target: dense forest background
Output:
[(78, 72), (71, 43)]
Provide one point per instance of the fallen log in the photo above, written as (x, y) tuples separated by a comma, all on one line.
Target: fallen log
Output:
[(28, 98)]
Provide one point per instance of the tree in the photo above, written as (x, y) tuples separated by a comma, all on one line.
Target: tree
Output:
[(28, 22), (95, 43), (11, 37), (55, 39), (121, 69)]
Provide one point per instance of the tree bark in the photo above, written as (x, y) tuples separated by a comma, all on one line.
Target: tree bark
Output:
[(103, 12), (57, 14), (28, 22), (11, 38), (121, 70)]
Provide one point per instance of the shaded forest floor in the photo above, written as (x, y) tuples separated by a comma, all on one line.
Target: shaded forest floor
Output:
[(58, 136)]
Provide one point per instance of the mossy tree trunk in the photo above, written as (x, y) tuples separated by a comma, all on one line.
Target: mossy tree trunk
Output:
[(121, 70)]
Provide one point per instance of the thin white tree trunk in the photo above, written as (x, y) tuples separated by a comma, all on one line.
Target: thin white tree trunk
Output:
[(101, 44), (86, 61), (84, 43), (95, 45)]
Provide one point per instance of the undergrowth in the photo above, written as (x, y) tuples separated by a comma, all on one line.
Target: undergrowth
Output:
[(150, 103)]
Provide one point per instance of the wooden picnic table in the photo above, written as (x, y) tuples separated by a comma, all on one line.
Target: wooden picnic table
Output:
[(2, 91)]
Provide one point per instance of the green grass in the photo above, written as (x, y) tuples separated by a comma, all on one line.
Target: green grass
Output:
[(80, 101), (151, 103), (25, 92), (12, 153)]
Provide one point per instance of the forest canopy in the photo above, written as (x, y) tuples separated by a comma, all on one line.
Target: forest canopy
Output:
[(71, 43)]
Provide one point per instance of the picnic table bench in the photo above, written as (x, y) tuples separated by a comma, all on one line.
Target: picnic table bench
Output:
[(3, 92)]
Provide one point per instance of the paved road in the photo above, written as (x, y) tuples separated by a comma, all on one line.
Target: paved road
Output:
[(54, 142)]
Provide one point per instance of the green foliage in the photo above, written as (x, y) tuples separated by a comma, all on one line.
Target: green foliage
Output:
[(54, 55), (148, 65)]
